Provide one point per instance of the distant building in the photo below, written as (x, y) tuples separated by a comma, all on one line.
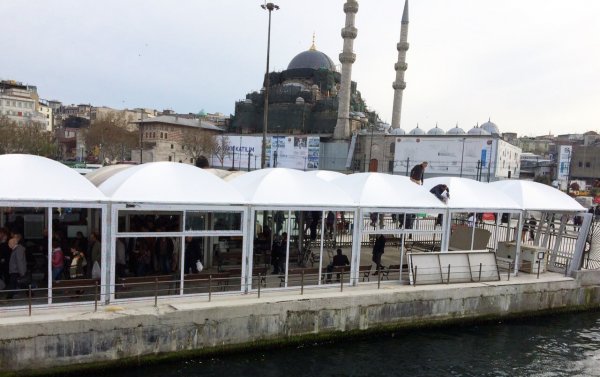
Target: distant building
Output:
[(19, 103), (162, 138), (585, 162), (533, 166), (479, 154)]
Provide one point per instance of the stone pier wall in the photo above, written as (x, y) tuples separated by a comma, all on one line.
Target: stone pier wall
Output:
[(68, 340)]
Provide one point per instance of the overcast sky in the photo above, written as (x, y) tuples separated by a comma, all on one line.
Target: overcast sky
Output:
[(533, 66)]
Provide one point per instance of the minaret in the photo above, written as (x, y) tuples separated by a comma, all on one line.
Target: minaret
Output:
[(347, 57), (400, 68)]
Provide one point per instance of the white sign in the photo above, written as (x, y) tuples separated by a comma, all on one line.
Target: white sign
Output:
[(564, 160)]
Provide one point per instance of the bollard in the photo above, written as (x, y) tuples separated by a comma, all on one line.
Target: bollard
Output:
[(209, 288), (302, 283), (155, 292), (448, 278), (539, 262), (379, 280), (480, 266), (415, 277), (509, 268), (96, 296), (259, 283), (29, 299), (342, 281)]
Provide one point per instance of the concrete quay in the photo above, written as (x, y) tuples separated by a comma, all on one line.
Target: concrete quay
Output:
[(59, 339)]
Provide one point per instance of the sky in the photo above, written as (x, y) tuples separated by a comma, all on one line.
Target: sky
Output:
[(531, 66)]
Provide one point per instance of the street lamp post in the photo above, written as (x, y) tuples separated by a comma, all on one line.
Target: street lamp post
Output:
[(270, 7), (462, 156)]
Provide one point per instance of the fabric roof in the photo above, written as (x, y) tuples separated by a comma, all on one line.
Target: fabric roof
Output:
[(534, 196), (326, 175), (233, 175), (169, 182), (218, 172), (379, 190), (473, 195), (290, 188), (100, 175), (34, 178)]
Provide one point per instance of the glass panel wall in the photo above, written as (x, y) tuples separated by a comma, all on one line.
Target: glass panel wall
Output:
[(183, 250), (26, 260)]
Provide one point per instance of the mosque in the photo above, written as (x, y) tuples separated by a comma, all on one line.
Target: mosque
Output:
[(313, 102)]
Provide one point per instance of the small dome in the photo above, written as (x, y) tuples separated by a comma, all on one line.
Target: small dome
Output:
[(397, 131), (456, 131), (312, 59), (478, 131), (416, 131), (299, 101), (491, 128), (436, 131)]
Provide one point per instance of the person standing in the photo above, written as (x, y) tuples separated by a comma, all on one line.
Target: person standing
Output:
[(378, 250), (417, 172), (58, 260), (4, 255), (17, 265), (95, 253)]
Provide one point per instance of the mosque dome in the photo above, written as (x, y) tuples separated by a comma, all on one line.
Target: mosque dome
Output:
[(436, 131), (416, 131), (299, 101), (312, 59), (456, 131), (491, 128), (478, 131), (397, 131)]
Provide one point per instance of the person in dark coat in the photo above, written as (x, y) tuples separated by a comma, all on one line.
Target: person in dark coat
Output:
[(417, 173), (442, 192), (378, 250)]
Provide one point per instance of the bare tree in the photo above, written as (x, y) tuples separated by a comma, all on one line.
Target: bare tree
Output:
[(222, 150), (109, 135), (197, 143), (31, 138)]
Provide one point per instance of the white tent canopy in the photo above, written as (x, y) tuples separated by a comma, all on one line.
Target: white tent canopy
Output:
[(326, 175), (233, 175), (533, 196), (290, 188), (470, 195), (378, 190), (219, 172), (35, 178), (169, 182), (97, 177)]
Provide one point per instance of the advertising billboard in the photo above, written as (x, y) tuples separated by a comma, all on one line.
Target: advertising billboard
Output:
[(564, 160), (244, 152)]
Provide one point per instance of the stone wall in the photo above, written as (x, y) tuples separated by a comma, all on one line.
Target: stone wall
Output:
[(70, 340)]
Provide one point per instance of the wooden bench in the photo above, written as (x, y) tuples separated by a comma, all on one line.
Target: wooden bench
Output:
[(365, 271), (202, 280), (295, 274), (385, 274), (149, 285), (229, 258), (78, 286), (255, 272)]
